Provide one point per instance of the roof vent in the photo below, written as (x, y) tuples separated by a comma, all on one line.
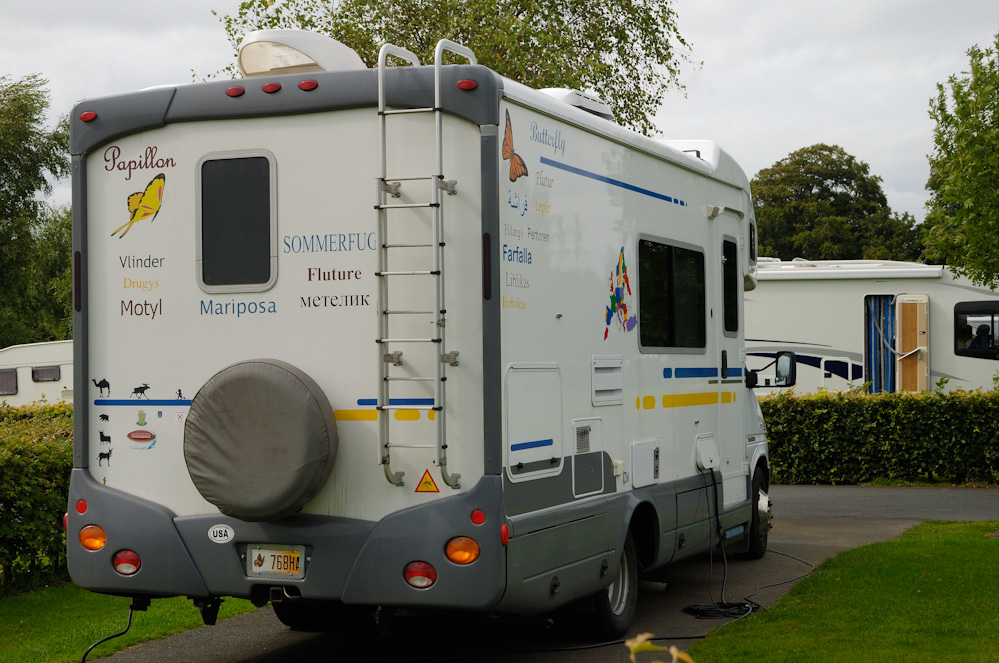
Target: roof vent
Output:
[(581, 100), (269, 52)]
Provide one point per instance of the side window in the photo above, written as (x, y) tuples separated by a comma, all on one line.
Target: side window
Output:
[(237, 223), (45, 374), (975, 327), (730, 285), (671, 297), (8, 381)]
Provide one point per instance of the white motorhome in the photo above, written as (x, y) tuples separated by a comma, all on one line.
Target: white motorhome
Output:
[(410, 336), (36, 372), (899, 326)]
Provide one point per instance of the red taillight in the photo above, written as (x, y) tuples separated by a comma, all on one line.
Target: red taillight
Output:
[(126, 562), (420, 575), (93, 537), (88, 116), (271, 88), (235, 91), (308, 86), (466, 84), (65, 521), (81, 506), (478, 517), (504, 534)]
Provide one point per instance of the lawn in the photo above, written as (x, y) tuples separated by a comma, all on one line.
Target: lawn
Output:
[(57, 624), (930, 595)]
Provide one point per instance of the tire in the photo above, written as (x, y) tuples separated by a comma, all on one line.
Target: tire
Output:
[(615, 606), (761, 511), (260, 440), (319, 616)]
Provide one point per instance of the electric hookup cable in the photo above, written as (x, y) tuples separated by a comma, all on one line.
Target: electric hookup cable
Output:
[(718, 609)]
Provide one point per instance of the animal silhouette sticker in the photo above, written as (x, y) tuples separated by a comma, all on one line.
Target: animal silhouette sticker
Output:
[(102, 385), (144, 204), (101, 457), (517, 166)]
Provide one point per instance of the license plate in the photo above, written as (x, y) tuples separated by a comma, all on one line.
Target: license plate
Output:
[(275, 561)]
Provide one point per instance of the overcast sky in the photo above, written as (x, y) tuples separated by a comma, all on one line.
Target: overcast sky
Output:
[(778, 75)]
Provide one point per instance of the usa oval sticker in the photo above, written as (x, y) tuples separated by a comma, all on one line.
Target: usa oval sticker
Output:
[(221, 533)]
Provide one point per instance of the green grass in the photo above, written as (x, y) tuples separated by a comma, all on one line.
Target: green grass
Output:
[(930, 595), (57, 624)]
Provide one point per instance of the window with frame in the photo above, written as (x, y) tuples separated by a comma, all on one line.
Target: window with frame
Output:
[(976, 325), (8, 381), (671, 297), (237, 227), (730, 287), (46, 374)]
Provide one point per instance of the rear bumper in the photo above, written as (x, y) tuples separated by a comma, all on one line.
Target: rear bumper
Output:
[(355, 561)]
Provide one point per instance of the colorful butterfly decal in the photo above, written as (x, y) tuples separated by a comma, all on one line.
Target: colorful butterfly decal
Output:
[(517, 166), (144, 204)]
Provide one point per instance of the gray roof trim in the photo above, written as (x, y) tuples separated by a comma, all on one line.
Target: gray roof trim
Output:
[(406, 87)]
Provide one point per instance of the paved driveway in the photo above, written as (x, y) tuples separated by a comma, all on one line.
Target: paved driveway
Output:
[(811, 523)]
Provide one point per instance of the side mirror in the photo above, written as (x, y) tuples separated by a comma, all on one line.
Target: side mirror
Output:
[(785, 373), (786, 370)]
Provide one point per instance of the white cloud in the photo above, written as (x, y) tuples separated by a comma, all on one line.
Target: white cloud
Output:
[(780, 75)]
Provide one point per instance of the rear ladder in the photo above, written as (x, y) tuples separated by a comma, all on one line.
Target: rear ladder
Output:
[(389, 214)]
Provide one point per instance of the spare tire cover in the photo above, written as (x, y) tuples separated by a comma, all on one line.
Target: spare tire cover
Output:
[(260, 440)]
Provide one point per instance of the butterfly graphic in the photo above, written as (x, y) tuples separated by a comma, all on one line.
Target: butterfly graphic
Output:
[(517, 166), (259, 561), (144, 204)]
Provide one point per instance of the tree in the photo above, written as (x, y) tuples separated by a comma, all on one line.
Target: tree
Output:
[(627, 51), (821, 203), (29, 155), (963, 210)]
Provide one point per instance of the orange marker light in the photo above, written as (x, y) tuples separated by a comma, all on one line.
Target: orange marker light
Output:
[(462, 550), (93, 537)]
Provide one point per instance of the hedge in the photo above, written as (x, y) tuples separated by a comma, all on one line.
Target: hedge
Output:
[(849, 438), (36, 456)]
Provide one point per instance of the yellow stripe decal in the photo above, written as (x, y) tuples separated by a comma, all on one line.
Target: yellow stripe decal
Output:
[(687, 400), (355, 415), (407, 415)]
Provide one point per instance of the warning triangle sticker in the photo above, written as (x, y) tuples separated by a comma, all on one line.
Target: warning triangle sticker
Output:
[(427, 484)]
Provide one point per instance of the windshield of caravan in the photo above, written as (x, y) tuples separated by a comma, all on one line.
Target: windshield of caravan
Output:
[(975, 327)]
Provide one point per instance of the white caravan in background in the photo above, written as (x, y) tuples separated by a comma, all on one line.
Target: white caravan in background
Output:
[(36, 372), (899, 326), (411, 336)]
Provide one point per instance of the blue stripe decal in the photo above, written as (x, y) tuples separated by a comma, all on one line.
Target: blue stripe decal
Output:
[(610, 180), (520, 446), (372, 402), (143, 401), (700, 372)]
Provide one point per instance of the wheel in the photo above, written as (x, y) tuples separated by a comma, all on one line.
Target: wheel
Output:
[(318, 616), (762, 514), (615, 606)]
